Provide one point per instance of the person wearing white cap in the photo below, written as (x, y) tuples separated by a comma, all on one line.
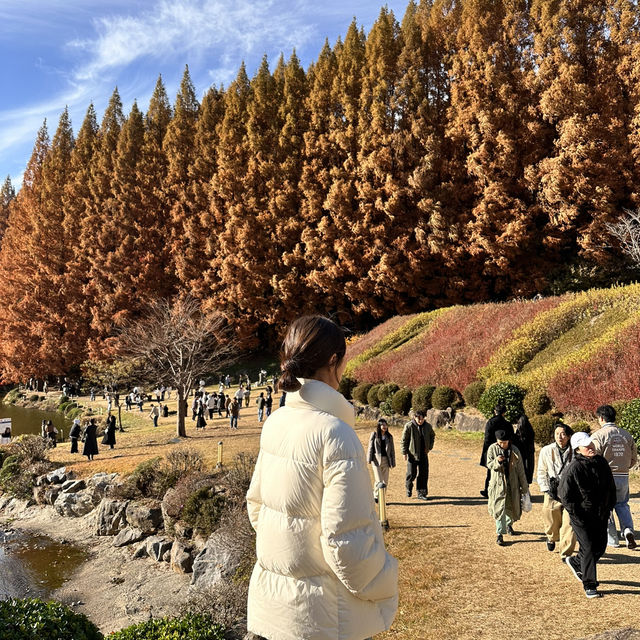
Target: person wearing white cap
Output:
[(618, 448), (587, 491)]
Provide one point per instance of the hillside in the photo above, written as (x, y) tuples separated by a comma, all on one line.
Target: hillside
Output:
[(580, 349)]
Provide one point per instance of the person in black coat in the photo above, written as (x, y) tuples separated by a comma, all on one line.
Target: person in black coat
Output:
[(525, 441), (74, 434), (496, 423), (90, 440), (110, 432), (588, 492)]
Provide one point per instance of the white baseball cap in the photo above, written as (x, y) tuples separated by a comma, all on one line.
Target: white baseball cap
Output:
[(580, 439)]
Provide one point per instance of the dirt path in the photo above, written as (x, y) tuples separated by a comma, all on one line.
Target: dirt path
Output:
[(456, 582)]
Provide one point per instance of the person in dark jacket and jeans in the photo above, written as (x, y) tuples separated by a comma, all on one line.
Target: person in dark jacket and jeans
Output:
[(417, 440), (587, 491), (496, 423)]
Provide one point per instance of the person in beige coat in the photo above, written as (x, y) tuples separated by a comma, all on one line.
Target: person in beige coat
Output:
[(322, 571), (507, 484)]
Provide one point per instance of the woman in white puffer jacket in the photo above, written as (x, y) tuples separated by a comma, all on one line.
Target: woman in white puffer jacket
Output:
[(322, 572)]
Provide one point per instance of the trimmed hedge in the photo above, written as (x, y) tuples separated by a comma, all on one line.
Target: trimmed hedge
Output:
[(33, 619), (346, 386), (473, 392), (581, 425), (543, 428), (373, 399), (506, 393), (188, 627), (443, 397), (401, 401), (630, 419), (421, 400), (360, 392), (536, 403), (386, 391)]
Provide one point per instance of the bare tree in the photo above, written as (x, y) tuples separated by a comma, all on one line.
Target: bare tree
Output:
[(175, 344), (627, 232)]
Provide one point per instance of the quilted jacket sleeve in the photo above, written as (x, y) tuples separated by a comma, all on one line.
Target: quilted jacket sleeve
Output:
[(254, 496), (352, 542)]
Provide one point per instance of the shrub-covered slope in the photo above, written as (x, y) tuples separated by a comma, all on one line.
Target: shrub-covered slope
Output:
[(581, 349)]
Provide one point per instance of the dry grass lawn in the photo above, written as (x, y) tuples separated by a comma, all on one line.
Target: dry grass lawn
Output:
[(455, 582)]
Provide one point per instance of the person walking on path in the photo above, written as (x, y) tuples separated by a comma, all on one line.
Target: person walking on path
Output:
[(618, 448), (524, 439), (260, 401), (588, 492), (234, 413), (496, 423), (247, 394), (507, 484), (212, 403), (417, 440), (268, 404), (110, 432), (154, 414), (381, 455), (89, 437), (552, 462), (74, 435), (322, 570)]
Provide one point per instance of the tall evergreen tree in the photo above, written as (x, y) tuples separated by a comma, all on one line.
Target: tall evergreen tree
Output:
[(7, 194), (19, 344)]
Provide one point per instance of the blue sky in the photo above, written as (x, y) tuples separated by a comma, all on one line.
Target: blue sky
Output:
[(73, 52)]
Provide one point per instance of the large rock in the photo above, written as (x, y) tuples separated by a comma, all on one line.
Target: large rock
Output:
[(59, 476), (51, 493), (157, 546), (73, 486), (73, 504), (441, 418), (147, 517), (110, 517), (100, 485), (183, 530), (39, 494), (465, 422), (128, 536), (181, 557), (218, 560)]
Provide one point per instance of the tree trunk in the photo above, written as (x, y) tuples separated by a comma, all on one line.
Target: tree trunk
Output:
[(120, 416), (181, 430)]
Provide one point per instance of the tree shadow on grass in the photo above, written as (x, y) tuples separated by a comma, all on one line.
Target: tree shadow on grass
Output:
[(432, 526), (619, 559), (459, 501)]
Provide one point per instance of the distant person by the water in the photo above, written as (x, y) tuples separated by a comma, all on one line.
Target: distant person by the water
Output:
[(52, 434), (90, 439), (74, 435), (507, 484)]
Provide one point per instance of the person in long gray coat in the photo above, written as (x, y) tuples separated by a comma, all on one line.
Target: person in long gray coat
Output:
[(507, 484), (90, 440)]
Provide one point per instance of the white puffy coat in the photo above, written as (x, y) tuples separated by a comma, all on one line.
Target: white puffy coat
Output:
[(322, 572)]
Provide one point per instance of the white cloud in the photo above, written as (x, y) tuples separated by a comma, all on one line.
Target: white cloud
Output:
[(192, 28)]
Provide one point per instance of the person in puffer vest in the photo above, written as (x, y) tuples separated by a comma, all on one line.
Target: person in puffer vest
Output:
[(322, 570)]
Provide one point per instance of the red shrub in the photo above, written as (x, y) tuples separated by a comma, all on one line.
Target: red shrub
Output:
[(612, 376), (455, 346), (367, 340)]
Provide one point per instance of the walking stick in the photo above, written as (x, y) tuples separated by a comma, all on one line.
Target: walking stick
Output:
[(382, 504)]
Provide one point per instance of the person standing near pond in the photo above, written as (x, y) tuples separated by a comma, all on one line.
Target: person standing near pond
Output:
[(322, 571), (110, 431), (74, 434), (89, 437), (507, 484), (381, 455)]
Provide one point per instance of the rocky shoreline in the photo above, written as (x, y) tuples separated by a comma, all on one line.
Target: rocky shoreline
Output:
[(136, 568)]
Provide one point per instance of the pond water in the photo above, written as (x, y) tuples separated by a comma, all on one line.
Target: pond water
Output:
[(34, 565), (30, 420)]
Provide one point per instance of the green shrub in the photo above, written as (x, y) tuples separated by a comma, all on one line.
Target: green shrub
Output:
[(70, 406), (401, 401), (385, 408), (191, 626), (203, 509), (34, 397), (12, 396), (421, 399), (536, 403), (443, 397), (543, 428), (360, 392), (581, 425), (506, 393), (629, 419), (386, 391), (33, 619), (62, 400), (74, 413), (373, 399), (620, 406), (473, 392), (148, 479), (346, 386)]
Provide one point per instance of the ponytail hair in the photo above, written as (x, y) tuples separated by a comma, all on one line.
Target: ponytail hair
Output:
[(309, 345)]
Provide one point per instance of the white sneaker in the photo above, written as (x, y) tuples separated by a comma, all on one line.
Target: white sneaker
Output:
[(631, 541)]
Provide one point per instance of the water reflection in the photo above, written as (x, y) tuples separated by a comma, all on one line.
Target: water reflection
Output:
[(30, 420)]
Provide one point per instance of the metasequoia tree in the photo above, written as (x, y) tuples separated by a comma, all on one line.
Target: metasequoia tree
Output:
[(177, 344), (7, 194)]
